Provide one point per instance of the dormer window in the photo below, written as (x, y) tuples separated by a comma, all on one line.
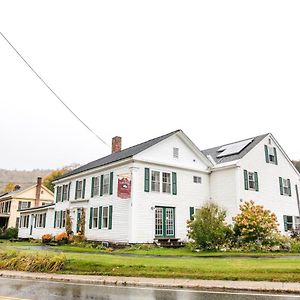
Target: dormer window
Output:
[(176, 152), (271, 155)]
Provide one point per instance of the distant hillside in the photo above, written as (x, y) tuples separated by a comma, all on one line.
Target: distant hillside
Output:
[(23, 178)]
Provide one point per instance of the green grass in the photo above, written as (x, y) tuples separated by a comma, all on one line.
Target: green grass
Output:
[(230, 268), (7, 243), (275, 269), (209, 268), (155, 251)]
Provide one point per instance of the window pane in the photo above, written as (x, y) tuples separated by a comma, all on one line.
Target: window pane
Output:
[(155, 181), (166, 186)]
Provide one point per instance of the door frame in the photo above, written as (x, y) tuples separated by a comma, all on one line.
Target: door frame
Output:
[(164, 225)]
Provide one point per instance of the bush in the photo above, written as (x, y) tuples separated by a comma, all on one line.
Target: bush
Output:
[(255, 224), (295, 246), (61, 237), (9, 233), (208, 230), (14, 260), (47, 238)]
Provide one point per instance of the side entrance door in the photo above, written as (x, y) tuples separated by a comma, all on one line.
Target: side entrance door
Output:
[(164, 222)]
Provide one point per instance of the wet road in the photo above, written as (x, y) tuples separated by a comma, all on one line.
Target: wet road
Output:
[(42, 290)]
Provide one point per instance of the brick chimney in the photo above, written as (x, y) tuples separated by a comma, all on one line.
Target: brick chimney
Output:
[(116, 144), (38, 191)]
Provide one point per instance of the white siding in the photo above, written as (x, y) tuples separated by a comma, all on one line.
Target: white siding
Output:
[(224, 190), (189, 194), (268, 178)]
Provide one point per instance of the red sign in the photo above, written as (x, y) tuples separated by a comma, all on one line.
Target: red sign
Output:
[(124, 188)]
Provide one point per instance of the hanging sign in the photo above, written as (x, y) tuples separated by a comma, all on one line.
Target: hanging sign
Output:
[(124, 186)]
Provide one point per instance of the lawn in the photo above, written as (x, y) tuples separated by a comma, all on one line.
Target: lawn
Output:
[(155, 251), (231, 268)]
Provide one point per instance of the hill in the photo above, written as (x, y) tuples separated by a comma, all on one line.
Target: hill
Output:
[(23, 178)]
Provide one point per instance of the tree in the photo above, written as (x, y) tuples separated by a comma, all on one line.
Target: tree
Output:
[(9, 187), (208, 229), (48, 180), (82, 222), (254, 223), (68, 222)]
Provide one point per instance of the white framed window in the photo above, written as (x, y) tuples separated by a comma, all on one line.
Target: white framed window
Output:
[(286, 186), (95, 217), (288, 223), (197, 179), (96, 186), (155, 181), (58, 193), (272, 155), (176, 152), (251, 180), (105, 217), (297, 222), (65, 192), (79, 189), (105, 184), (166, 182), (24, 204)]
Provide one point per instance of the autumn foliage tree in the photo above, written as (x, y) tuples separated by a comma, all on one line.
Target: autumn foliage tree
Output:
[(254, 223), (9, 187), (48, 180)]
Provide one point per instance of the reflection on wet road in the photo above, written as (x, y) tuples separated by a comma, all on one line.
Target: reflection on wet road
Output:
[(44, 290)]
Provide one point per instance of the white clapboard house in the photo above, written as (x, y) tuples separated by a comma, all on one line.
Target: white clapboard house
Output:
[(148, 192)]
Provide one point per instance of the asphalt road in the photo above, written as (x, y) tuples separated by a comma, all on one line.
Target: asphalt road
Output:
[(49, 290)]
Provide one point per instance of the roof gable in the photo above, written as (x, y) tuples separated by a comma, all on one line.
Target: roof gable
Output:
[(123, 154)]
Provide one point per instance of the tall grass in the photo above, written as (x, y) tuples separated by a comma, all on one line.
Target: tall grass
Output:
[(15, 260)]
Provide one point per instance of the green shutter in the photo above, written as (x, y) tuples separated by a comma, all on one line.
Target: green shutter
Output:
[(275, 156), (246, 184), (54, 225), (56, 194), (100, 218), (147, 180), (110, 217), (92, 188), (290, 190), (281, 185), (76, 188), (174, 183), (285, 223), (256, 181), (266, 153), (192, 211), (101, 186), (69, 190), (91, 218), (111, 183), (83, 189), (61, 219)]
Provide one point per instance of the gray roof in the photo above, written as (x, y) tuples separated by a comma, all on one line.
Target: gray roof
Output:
[(10, 194), (126, 153), (37, 207), (213, 152)]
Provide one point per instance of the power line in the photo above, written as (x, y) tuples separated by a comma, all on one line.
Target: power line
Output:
[(52, 91)]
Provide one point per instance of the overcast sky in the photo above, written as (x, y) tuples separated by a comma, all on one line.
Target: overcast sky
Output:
[(219, 70)]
